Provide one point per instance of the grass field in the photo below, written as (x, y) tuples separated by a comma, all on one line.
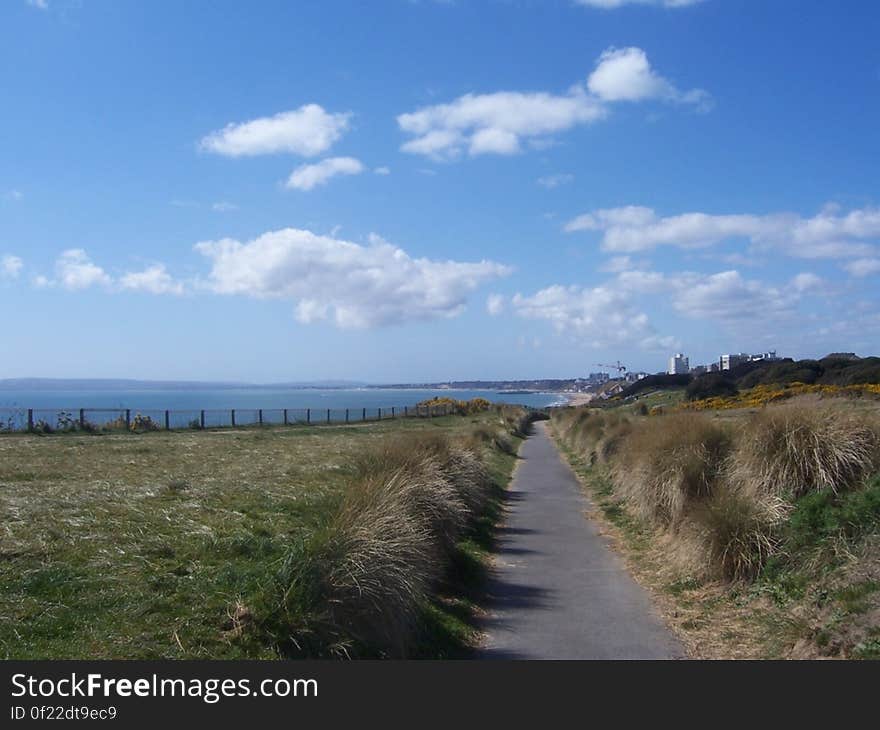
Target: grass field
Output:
[(155, 545)]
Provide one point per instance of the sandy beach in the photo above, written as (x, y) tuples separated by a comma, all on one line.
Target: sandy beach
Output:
[(579, 399)]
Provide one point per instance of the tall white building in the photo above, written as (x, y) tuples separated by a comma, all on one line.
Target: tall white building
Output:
[(678, 365)]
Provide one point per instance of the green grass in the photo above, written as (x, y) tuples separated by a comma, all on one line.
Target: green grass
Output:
[(146, 546)]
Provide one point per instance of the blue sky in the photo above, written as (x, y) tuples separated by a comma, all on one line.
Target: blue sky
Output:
[(413, 191)]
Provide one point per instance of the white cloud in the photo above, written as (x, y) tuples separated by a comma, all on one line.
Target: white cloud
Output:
[(728, 296), (153, 280), (39, 4), (355, 286), (307, 131), (74, 271), (826, 235), (613, 4), (15, 195), (608, 314), (624, 74), (863, 267), (382, 170), (223, 206), (10, 266), (306, 177), (501, 122), (604, 315), (554, 181), (807, 282), (495, 123), (617, 264), (495, 304)]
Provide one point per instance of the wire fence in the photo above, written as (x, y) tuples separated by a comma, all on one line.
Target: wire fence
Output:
[(94, 420)]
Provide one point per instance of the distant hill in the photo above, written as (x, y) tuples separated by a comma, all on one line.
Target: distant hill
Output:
[(834, 369), (656, 382)]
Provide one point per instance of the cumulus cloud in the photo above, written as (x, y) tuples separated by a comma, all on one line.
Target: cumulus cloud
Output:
[(613, 4), (353, 286), (827, 235), (608, 314), (10, 266), (306, 177), (74, 270), (554, 181), (624, 74), (382, 170), (604, 315), (502, 122), (495, 304), (307, 131), (495, 123), (863, 267), (153, 280)]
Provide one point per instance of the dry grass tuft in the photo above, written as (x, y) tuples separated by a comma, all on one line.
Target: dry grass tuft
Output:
[(356, 584), (665, 465), (793, 449)]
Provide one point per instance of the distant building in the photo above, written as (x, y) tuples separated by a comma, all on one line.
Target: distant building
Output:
[(764, 357), (597, 378), (678, 365), (699, 370), (634, 377), (714, 367), (729, 362)]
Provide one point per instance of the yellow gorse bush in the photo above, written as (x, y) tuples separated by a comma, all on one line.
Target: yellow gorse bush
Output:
[(762, 395)]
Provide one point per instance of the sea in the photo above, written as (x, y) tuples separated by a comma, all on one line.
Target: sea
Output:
[(256, 398)]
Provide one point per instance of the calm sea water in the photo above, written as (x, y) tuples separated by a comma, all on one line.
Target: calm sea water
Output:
[(252, 398)]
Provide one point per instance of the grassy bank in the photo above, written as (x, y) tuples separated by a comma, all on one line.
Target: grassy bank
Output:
[(759, 532), (233, 543)]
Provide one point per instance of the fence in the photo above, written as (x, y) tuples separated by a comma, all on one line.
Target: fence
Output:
[(50, 420)]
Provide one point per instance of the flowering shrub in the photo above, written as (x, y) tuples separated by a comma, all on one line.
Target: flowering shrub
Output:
[(460, 407), (762, 395)]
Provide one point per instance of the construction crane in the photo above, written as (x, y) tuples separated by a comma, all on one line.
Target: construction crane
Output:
[(618, 366)]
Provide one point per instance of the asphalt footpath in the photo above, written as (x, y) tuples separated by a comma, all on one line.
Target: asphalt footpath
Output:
[(557, 590)]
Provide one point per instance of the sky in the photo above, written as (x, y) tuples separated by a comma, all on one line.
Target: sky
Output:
[(402, 191)]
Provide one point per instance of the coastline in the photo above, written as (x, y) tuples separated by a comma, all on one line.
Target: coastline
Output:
[(579, 399)]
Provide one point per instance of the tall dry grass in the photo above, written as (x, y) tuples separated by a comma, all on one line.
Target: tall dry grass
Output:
[(803, 446), (665, 465), (722, 492), (356, 584)]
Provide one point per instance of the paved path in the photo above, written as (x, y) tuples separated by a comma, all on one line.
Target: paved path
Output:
[(558, 591)]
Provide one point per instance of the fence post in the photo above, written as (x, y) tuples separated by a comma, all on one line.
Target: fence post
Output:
[(167, 421), (30, 419), (285, 418), (392, 411), (202, 420), (82, 417), (232, 417), (328, 415), (128, 419), (308, 415), (405, 411), (380, 414), (364, 417), (260, 416), (346, 415)]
